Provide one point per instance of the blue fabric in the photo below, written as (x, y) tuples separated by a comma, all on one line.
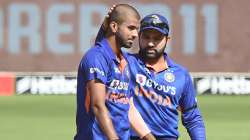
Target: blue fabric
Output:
[(157, 96), (100, 63), (159, 109), (155, 21)]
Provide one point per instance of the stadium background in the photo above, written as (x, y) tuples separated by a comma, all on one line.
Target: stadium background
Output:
[(42, 42)]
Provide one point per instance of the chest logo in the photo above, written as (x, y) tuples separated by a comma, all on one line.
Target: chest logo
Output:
[(169, 77), (141, 79)]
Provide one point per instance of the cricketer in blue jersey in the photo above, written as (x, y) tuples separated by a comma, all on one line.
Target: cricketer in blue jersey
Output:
[(103, 84), (162, 87)]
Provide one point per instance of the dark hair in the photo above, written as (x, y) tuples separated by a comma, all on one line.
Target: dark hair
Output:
[(120, 11)]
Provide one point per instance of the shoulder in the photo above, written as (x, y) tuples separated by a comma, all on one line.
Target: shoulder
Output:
[(184, 72), (93, 51), (94, 55), (179, 67), (131, 57)]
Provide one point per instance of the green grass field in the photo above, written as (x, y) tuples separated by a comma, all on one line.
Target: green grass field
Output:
[(53, 117)]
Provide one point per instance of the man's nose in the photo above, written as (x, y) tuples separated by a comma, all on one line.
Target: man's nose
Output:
[(135, 33), (151, 44)]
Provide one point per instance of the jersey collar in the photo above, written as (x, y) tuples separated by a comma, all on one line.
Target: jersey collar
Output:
[(107, 49), (170, 62)]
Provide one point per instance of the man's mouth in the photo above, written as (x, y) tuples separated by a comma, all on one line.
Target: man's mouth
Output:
[(130, 41), (151, 50)]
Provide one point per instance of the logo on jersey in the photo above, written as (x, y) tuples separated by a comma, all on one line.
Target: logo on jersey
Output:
[(117, 84), (153, 97), (96, 70), (169, 77), (141, 79), (117, 98), (147, 70)]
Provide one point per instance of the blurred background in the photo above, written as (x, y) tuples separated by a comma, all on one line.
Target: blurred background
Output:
[(42, 42)]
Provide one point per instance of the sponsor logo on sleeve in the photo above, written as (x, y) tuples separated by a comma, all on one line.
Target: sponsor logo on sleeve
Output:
[(96, 70)]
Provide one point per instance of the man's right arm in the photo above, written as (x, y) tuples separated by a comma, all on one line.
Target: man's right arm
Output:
[(137, 123), (95, 73), (97, 94)]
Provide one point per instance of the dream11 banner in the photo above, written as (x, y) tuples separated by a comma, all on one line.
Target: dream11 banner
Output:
[(40, 36)]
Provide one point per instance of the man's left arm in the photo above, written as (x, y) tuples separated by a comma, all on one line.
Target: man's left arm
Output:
[(137, 123), (103, 29), (191, 116)]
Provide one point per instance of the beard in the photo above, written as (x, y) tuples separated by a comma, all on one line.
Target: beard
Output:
[(148, 53), (123, 42), (127, 45)]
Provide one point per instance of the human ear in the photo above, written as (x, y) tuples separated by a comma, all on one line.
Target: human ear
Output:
[(167, 38), (113, 26)]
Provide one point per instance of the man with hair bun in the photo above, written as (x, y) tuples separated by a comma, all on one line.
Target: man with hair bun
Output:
[(103, 83), (161, 87)]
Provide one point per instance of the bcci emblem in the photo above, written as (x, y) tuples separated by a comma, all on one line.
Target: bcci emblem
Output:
[(169, 77)]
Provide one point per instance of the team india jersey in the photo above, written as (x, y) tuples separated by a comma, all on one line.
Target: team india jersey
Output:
[(157, 96), (100, 63)]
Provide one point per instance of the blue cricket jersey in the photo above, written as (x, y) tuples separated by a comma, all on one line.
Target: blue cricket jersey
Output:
[(157, 96), (100, 63)]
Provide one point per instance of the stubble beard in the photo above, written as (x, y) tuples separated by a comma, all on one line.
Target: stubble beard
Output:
[(149, 55)]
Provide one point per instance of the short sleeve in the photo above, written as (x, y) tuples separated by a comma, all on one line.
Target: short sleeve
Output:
[(94, 66)]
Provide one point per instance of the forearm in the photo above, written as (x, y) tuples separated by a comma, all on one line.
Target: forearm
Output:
[(137, 123), (197, 132), (106, 125), (97, 91), (194, 124)]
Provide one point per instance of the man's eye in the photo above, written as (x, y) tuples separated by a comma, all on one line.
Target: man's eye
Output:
[(132, 28), (145, 36)]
